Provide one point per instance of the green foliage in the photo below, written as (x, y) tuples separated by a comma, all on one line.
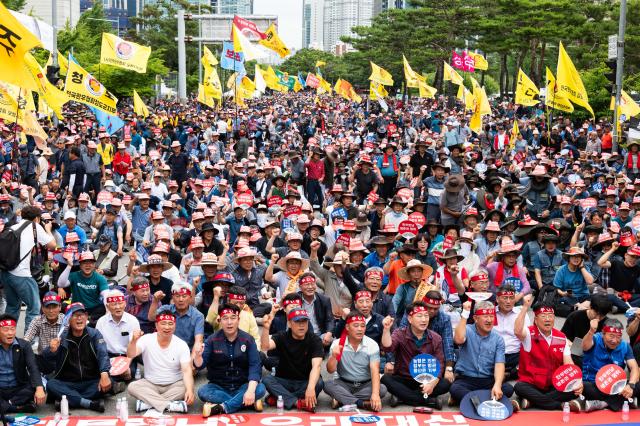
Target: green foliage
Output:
[(16, 5)]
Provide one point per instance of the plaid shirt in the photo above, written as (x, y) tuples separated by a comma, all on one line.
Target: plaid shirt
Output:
[(44, 331)]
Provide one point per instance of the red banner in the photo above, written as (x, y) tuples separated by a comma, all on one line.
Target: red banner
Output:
[(418, 218), (407, 229), (469, 62), (245, 200), (274, 200), (292, 418), (292, 210), (312, 80), (248, 28)]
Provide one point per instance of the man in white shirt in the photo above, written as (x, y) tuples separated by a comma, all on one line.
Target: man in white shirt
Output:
[(158, 188), (117, 326), (168, 379), (506, 315), (19, 285)]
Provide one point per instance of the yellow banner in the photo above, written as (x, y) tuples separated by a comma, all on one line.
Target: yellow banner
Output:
[(54, 97), (9, 110), (274, 42), (375, 90), (320, 63), (627, 106), (569, 82), (138, 106), (124, 54), (451, 75), (203, 98), (426, 91), (413, 78), (526, 90), (84, 88), (208, 59), (480, 62), (380, 75), (554, 99), (211, 83)]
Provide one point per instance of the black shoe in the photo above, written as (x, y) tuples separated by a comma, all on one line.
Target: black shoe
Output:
[(393, 401), (29, 407), (97, 406), (434, 402)]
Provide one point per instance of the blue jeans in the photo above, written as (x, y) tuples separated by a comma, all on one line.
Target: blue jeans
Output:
[(18, 290), (291, 390), (232, 402), (75, 391), (314, 192)]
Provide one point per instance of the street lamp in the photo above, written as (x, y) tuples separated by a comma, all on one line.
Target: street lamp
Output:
[(117, 21)]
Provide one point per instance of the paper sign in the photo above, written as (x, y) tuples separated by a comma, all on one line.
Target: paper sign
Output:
[(418, 218), (372, 197), (119, 365), (274, 200), (515, 282), (244, 200), (364, 419), (405, 193), (292, 210), (567, 378), (343, 239), (407, 229), (588, 203), (339, 212), (611, 379), (104, 197), (424, 368), (493, 410)]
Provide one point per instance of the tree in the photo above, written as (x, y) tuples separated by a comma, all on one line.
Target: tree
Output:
[(16, 5)]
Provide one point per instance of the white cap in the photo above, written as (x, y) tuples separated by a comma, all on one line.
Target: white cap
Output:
[(69, 215)]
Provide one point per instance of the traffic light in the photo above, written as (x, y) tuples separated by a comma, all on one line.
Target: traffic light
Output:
[(52, 74), (612, 65)]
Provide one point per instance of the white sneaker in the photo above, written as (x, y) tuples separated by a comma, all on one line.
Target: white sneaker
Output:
[(593, 405), (141, 406), (177, 407)]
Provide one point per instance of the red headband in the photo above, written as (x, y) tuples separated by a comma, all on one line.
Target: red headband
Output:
[(291, 302), (7, 323), (377, 274), (605, 329), (417, 309), (308, 279), (544, 310), (361, 294), (137, 287), (182, 290), (506, 293), (479, 277), (166, 317), (357, 318), (226, 311), (52, 298), (485, 312), (237, 296), (114, 299), (431, 301)]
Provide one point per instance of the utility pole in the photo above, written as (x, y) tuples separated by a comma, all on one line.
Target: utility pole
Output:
[(622, 25), (182, 59), (54, 23), (199, 46)]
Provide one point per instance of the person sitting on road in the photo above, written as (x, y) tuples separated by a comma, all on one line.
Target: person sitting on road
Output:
[(46, 326), (189, 321), (142, 304)]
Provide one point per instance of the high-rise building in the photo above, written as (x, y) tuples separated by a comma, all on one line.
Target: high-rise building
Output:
[(232, 7), (68, 11), (313, 24), (382, 5), (340, 16)]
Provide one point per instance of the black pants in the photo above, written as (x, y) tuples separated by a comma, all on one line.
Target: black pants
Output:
[(92, 183), (95, 313), (463, 385), (388, 186), (614, 402), (511, 366), (314, 192), (549, 399), (409, 391), (12, 398)]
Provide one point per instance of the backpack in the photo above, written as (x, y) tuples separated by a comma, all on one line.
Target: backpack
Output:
[(10, 247)]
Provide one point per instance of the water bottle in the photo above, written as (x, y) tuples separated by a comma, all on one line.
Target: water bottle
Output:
[(124, 410), (64, 407), (118, 407), (273, 371), (566, 412), (625, 411), (348, 408), (280, 405)]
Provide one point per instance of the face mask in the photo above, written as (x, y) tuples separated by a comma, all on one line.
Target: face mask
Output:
[(262, 219), (465, 249), (397, 214)]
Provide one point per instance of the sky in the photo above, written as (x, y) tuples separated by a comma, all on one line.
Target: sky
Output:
[(289, 18)]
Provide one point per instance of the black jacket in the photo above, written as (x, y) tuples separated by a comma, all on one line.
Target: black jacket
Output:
[(323, 313), (25, 366)]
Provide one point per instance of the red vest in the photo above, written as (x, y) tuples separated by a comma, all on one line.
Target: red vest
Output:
[(537, 366)]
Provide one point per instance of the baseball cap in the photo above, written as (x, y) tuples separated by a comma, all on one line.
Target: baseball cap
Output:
[(298, 315), (51, 298), (76, 307)]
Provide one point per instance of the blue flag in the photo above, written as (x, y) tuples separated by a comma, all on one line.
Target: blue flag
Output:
[(112, 123), (230, 60), (301, 80)]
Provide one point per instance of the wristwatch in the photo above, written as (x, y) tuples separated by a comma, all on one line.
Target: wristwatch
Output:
[(449, 369)]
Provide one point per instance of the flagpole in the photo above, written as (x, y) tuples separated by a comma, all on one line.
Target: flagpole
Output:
[(15, 127)]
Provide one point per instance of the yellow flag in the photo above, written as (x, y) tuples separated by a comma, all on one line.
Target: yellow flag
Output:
[(296, 85), (138, 106), (203, 98), (211, 83), (474, 83), (375, 89), (466, 96), (627, 106), (30, 126), (413, 78), (246, 88), (231, 80), (9, 110), (480, 62), (208, 59), (380, 75), (569, 82), (426, 91), (451, 75), (515, 131), (274, 42), (62, 63), (481, 96), (346, 90), (242, 44), (526, 90), (84, 88), (50, 94), (24, 97), (15, 41), (324, 86), (320, 63), (273, 82), (124, 54), (554, 98)]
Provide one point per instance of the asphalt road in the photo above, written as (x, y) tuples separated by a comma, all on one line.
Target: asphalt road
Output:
[(323, 400)]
